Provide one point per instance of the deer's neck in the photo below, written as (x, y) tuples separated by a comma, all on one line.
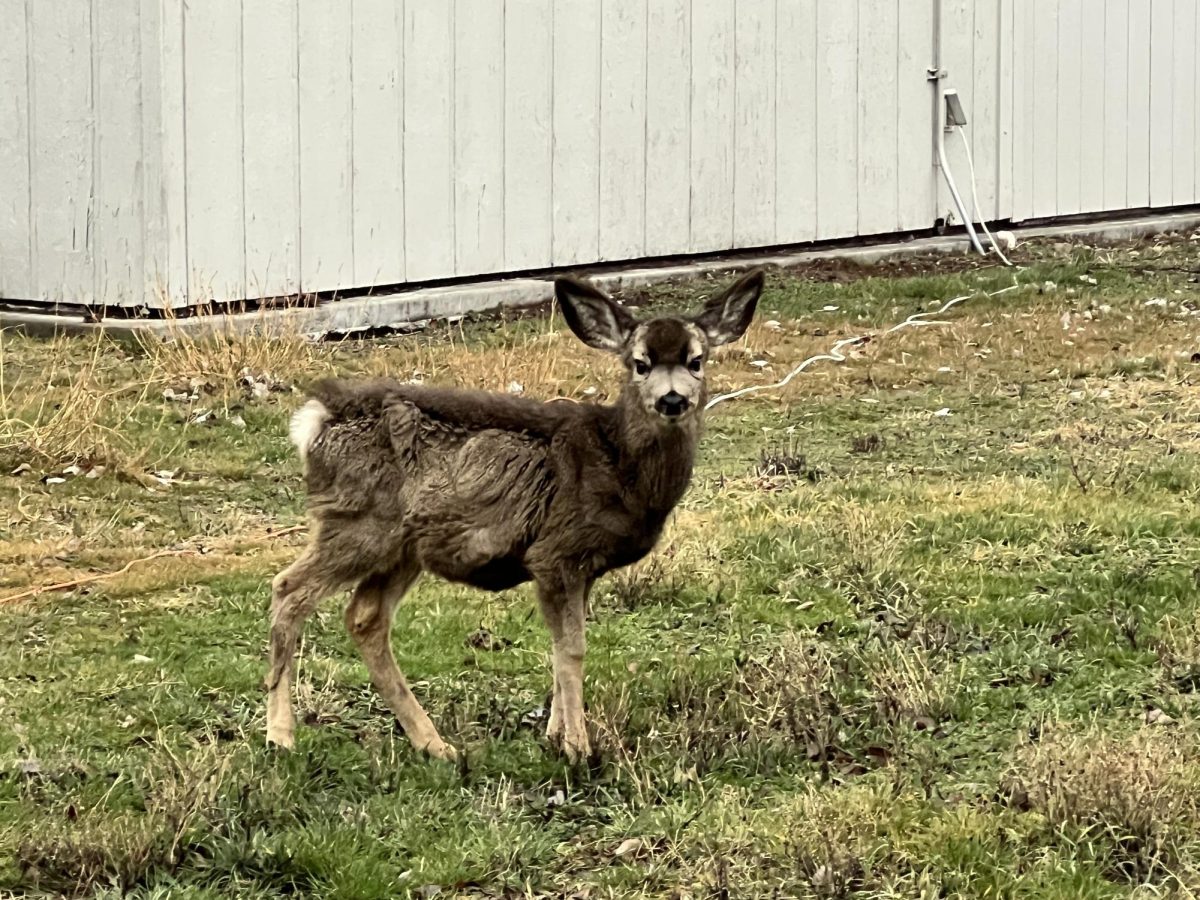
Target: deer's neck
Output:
[(655, 462)]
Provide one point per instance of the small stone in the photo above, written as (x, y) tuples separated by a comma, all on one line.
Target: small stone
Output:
[(1158, 717)]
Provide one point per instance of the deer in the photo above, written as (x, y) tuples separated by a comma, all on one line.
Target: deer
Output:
[(493, 491)]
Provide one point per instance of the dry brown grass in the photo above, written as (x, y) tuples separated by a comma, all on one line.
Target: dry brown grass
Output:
[(912, 687), (103, 850), (135, 568), (1138, 796), (818, 844), (71, 410), (1177, 645), (548, 363), (781, 702), (218, 360)]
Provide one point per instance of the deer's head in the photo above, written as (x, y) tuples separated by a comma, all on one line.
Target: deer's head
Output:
[(665, 356)]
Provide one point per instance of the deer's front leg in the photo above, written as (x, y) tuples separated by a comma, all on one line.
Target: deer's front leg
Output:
[(552, 614), (565, 611)]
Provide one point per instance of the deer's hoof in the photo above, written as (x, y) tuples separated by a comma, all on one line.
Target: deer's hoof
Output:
[(283, 738), (576, 748), (439, 749)]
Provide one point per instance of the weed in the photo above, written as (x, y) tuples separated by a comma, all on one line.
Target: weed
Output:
[(1134, 800), (268, 356), (69, 411)]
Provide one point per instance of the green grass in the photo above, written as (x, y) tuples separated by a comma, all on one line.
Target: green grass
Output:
[(879, 653)]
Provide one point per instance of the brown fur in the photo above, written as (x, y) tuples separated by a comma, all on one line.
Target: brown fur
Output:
[(492, 491)]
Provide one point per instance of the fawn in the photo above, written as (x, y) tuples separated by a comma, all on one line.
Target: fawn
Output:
[(493, 491)]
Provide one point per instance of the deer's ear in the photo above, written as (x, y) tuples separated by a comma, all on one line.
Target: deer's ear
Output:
[(727, 315), (593, 316)]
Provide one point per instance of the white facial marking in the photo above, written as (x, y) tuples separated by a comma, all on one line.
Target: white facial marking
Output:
[(639, 352), (658, 378)]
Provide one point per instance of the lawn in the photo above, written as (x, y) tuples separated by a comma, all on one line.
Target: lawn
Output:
[(924, 626)]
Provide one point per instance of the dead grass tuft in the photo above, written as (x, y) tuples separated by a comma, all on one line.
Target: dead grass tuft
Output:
[(1136, 796), (272, 355), (547, 363), (910, 687), (785, 701), (822, 842), (66, 410), (1177, 645), (651, 581), (80, 851), (870, 566)]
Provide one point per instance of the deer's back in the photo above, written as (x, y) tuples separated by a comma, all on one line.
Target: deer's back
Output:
[(486, 489), (460, 480)]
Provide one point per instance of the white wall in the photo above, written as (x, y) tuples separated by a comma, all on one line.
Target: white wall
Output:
[(1106, 106), (154, 150)]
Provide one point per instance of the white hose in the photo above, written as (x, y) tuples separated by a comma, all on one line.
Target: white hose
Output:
[(835, 354), (975, 196), (945, 167)]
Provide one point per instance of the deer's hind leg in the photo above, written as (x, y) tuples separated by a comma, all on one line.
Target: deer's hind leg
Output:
[(369, 621), (295, 594)]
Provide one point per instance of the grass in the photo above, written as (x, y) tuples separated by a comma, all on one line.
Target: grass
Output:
[(881, 651)]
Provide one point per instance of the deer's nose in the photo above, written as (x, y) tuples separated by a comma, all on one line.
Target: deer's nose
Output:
[(672, 404)]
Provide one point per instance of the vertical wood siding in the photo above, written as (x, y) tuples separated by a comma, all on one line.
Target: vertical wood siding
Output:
[(162, 151)]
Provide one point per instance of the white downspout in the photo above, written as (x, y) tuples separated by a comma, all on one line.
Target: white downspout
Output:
[(936, 74)]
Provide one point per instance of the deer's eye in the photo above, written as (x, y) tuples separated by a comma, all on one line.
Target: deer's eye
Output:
[(641, 367), (695, 364)]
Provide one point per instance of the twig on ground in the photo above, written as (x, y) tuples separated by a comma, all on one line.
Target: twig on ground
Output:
[(104, 576), (90, 579)]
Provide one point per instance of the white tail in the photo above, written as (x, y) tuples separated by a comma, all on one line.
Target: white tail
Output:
[(307, 424)]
